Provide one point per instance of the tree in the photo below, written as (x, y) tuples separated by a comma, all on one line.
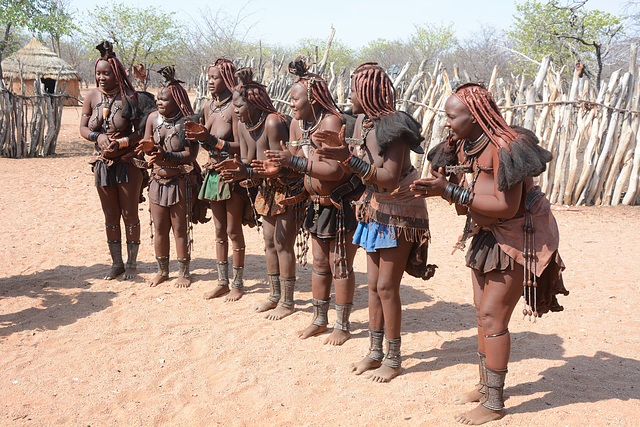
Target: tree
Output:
[(339, 53), (570, 33), (430, 41), (146, 36), (58, 22), (481, 52), (34, 15), (385, 52)]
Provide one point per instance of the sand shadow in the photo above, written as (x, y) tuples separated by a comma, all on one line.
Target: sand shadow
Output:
[(581, 379), (53, 305), (463, 350)]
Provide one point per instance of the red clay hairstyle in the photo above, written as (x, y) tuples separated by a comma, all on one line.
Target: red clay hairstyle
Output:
[(254, 92), (107, 54), (374, 89), (315, 85), (178, 92), (485, 110), (227, 71)]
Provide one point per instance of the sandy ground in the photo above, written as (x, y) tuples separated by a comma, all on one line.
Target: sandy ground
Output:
[(79, 350)]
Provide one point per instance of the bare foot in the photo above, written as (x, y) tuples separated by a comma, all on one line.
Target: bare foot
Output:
[(130, 272), (157, 279), (115, 271), (280, 312), (337, 337), (217, 291), (479, 415), (265, 306), (310, 331), (467, 397), (183, 282), (364, 365), (384, 374), (234, 295)]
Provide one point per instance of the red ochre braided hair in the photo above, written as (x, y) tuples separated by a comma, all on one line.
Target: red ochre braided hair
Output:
[(374, 89), (254, 92), (178, 92), (316, 87), (106, 54), (485, 110), (227, 72)]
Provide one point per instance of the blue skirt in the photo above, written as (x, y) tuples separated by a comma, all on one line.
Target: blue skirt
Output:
[(373, 236)]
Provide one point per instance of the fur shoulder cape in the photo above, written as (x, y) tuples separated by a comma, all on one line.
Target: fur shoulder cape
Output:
[(398, 126), (526, 158)]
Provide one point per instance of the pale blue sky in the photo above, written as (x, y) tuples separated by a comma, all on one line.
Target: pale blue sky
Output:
[(356, 22)]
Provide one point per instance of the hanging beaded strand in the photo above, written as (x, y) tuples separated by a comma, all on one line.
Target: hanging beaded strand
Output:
[(340, 260), (530, 281)]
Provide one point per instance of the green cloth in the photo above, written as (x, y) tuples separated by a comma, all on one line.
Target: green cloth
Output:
[(214, 188)]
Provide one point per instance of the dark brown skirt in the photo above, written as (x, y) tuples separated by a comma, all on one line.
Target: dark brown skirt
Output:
[(324, 225), (485, 255)]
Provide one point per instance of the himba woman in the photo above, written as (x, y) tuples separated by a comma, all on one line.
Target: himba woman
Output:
[(330, 217), (262, 128), (515, 245), (172, 158), (228, 202), (393, 227), (110, 118)]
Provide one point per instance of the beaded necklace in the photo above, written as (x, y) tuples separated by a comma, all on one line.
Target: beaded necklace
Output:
[(167, 123), (220, 106), (305, 138), (252, 128)]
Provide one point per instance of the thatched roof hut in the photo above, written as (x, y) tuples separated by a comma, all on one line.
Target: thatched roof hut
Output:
[(36, 59)]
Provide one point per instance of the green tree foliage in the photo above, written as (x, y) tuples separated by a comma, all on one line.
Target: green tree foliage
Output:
[(430, 41), (570, 33), (36, 15), (339, 53), (148, 36)]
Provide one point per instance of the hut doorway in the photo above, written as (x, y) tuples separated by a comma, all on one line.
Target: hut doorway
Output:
[(49, 85)]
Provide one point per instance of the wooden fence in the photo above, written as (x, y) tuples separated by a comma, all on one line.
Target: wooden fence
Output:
[(29, 125), (592, 134)]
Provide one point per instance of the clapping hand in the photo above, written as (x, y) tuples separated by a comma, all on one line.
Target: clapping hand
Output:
[(429, 187), (333, 143)]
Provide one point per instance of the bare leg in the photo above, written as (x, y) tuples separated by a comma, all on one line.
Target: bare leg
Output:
[(235, 209), (161, 227), (376, 316), (499, 298), (128, 197), (344, 289), (179, 226), (111, 209), (320, 287), (273, 266), (390, 271), (285, 237), (219, 209), (476, 393)]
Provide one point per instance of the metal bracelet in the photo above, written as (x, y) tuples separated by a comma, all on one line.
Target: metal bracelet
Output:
[(284, 171), (359, 166), (170, 156), (299, 164), (93, 136)]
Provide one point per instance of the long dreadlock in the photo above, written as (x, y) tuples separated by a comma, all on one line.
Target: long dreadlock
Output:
[(377, 96), (107, 54), (315, 85), (485, 110), (374, 89), (227, 72), (254, 92), (178, 92)]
